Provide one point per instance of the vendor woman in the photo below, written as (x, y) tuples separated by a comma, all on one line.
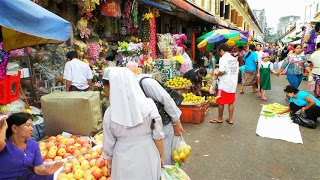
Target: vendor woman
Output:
[(20, 156), (195, 76), (303, 101)]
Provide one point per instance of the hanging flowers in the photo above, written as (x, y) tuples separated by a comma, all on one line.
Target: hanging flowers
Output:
[(126, 18), (135, 14), (148, 16), (153, 38), (85, 33), (4, 58)]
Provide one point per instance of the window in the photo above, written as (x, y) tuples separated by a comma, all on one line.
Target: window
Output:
[(227, 12), (221, 8)]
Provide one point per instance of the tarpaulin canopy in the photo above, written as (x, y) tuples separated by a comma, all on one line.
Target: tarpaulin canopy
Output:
[(25, 23), (154, 4)]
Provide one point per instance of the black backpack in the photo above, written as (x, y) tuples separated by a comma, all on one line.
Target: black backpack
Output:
[(177, 98)]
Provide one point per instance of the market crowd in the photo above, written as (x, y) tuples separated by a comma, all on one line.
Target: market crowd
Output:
[(137, 140)]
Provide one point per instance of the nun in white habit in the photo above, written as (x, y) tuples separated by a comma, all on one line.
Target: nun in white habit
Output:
[(132, 129)]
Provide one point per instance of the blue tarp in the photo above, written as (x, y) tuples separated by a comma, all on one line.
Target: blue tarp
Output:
[(156, 5), (27, 18)]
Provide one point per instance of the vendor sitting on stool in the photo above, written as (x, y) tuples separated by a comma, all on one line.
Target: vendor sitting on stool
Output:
[(303, 101), (195, 76), (20, 155)]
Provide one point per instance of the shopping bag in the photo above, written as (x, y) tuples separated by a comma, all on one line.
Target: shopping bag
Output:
[(303, 121), (169, 172), (180, 150), (214, 87)]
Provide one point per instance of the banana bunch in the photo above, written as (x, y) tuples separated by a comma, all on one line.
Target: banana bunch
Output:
[(178, 82), (274, 108)]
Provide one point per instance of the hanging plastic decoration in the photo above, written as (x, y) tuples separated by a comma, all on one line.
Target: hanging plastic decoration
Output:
[(126, 18), (110, 8), (135, 14), (153, 37), (4, 58)]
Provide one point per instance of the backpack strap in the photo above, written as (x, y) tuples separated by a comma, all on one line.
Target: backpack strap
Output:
[(140, 84)]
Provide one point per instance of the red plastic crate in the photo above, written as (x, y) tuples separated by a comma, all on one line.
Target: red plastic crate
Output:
[(193, 114), (10, 88)]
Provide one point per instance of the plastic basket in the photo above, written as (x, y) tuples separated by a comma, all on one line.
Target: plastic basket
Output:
[(10, 88), (193, 114)]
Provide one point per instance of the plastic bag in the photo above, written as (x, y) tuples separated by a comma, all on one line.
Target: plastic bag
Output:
[(311, 84), (214, 87), (303, 121), (38, 132), (173, 173), (180, 150)]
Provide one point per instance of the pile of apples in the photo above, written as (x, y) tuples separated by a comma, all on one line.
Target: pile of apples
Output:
[(56, 148), (89, 166)]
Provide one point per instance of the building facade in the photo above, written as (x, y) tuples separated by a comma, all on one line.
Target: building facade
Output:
[(312, 11), (261, 18), (286, 23), (235, 12)]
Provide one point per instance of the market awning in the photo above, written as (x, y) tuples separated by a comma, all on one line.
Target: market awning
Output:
[(156, 5), (197, 12), (25, 23)]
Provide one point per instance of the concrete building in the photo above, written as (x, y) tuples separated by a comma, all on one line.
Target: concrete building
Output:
[(261, 18), (286, 23), (312, 11)]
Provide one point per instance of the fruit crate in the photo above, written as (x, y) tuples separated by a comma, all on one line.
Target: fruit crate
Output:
[(10, 88), (182, 90), (194, 114)]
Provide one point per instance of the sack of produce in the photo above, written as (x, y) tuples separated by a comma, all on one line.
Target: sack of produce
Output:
[(74, 112), (173, 173), (180, 150)]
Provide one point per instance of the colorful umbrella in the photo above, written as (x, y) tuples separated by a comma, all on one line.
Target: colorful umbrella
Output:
[(214, 38)]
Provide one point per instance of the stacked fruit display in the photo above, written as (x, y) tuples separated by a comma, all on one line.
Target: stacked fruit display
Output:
[(181, 154), (56, 148), (98, 138), (191, 99), (88, 166), (271, 110), (178, 82)]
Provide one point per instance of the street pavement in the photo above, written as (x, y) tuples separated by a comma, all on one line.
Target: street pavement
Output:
[(224, 151)]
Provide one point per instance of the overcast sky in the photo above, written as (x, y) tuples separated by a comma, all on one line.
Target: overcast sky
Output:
[(279, 8)]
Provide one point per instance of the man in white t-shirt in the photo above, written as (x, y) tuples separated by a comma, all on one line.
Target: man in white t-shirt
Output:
[(315, 59), (77, 74), (227, 85), (259, 52)]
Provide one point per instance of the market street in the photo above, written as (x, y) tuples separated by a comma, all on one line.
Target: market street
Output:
[(223, 151)]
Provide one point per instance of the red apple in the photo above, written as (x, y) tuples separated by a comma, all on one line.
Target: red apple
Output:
[(76, 152), (68, 165), (52, 138), (82, 141), (62, 176), (49, 144), (105, 171), (63, 141), (87, 145), (57, 158), (67, 155), (67, 170), (77, 146), (103, 178), (52, 154), (74, 137), (99, 162), (78, 174), (84, 150), (70, 141), (61, 152), (62, 146), (93, 162), (76, 167), (42, 147), (43, 153), (85, 165), (53, 148), (97, 172), (87, 156), (70, 149), (70, 176), (94, 155)]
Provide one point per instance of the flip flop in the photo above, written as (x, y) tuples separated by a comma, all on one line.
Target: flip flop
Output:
[(215, 121), (241, 92), (229, 122)]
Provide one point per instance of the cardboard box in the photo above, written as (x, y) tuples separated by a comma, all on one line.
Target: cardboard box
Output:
[(74, 112)]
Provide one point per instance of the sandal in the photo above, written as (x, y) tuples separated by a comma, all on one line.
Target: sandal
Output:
[(264, 98), (241, 92), (229, 122), (215, 121)]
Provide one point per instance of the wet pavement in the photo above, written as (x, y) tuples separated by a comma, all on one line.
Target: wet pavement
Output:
[(224, 151)]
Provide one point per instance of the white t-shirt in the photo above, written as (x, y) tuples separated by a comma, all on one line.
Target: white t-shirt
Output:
[(78, 72), (260, 54), (230, 66), (315, 59), (266, 65)]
